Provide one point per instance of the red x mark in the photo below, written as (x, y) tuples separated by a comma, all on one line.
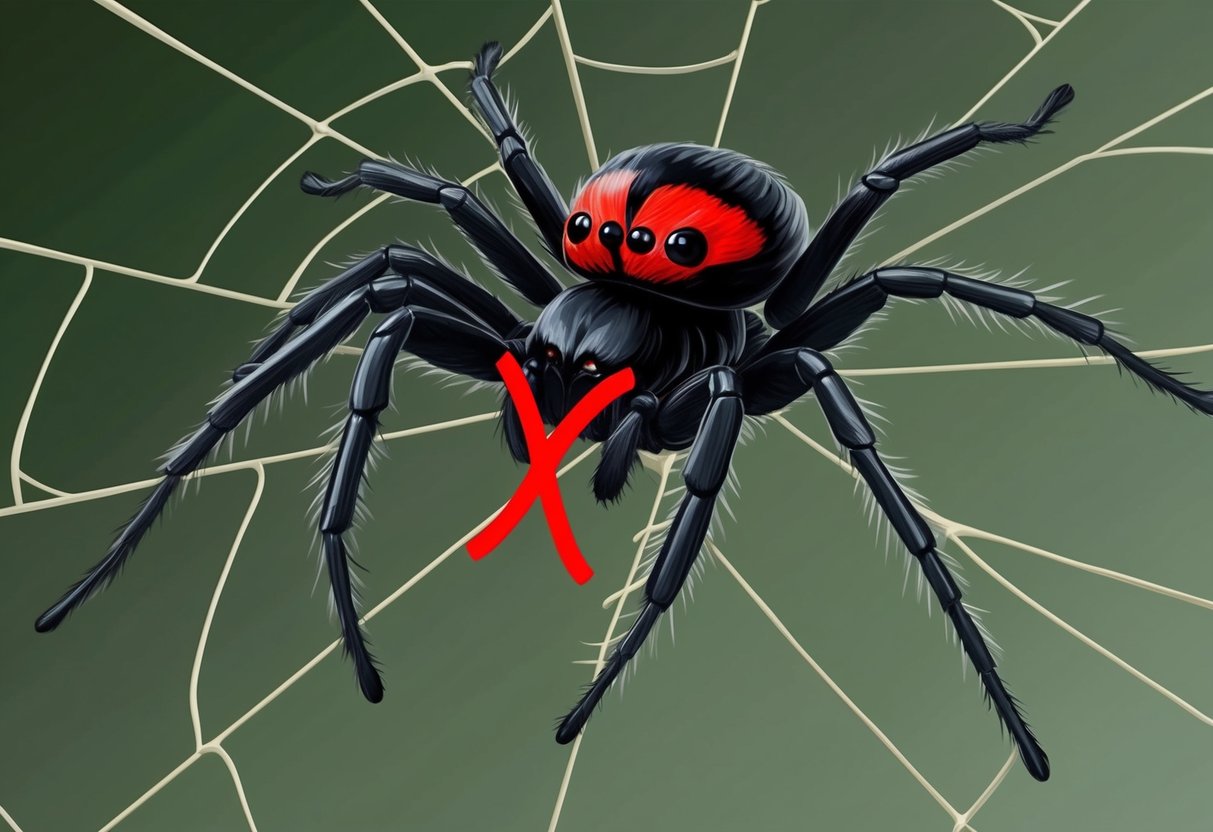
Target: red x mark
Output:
[(546, 452)]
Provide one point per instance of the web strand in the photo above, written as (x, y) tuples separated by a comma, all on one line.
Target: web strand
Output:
[(620, 600), (288, 683), (322, 129), (319, 130)]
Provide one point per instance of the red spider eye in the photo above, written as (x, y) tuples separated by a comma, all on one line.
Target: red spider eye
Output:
[(552, 353), (590, 365)]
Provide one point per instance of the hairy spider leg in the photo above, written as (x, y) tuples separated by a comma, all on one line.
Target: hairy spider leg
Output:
[(512, 261), (704, 473), (328, 315), (836, 316), (620, 450), (850, 427), (444, 341), (539, 195), (327, 332), (807, 275), (434, 284), (545, 453)]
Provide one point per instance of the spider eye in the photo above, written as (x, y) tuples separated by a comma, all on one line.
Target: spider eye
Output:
[(611, 235), (589, 365), (579, 227), (641, 240), (552, 353), (686, 247)]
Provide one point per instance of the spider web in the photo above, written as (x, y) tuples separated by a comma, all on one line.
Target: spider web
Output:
[(33, 495)]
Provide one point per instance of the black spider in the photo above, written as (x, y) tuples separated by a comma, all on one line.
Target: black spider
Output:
[(676, 240)]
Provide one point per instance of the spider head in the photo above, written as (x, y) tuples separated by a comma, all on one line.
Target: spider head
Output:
[(699, 224), (584, 335)]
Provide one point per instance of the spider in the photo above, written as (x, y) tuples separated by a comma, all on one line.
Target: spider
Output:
[(674, 242)]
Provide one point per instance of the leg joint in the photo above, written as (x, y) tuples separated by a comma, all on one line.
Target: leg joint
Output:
[(811, 366), (845, 416), (1076, 325), (723, 381), (881, 182), (906, 520), (911, 282), (511, 145), (453, 196), (389, 293), (940, 579)]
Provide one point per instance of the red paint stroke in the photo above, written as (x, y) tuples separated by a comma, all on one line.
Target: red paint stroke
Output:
[(546, 451)]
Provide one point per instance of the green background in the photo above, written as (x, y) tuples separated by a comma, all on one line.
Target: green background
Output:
[(118, 148)]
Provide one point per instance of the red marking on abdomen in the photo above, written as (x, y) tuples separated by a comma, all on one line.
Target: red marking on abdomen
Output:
[(605, 200), (732, 236)]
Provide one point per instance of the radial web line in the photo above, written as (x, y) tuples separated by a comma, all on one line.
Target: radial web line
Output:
[(728, 95), (426, 69), (146, 26), (318, 131), (192, 282), (7, 818), (570, 63), (350, 220), (957, 532), (1108, 150), (323, 129), (955, 529), (1013, 71), (215, 745), (630, 585), (127, 271), (1083, 637), (228, 467), (667, 465), (960, 821), (1020, 364)]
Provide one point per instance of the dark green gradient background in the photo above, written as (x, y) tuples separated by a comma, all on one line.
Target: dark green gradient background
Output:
[(119, 148)]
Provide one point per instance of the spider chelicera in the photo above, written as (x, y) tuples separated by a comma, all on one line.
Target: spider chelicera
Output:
[(675, 242)]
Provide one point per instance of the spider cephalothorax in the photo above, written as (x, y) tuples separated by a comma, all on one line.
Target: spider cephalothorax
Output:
[(676, 240)]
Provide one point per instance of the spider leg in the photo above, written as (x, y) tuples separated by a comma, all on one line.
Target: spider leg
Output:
[(330, 314), (836, 316), (619, 452), (540, 196), (446, 342), (811, 370), (512, 260), (807, 275), (327, 332), (433, 284), (704, 474)]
